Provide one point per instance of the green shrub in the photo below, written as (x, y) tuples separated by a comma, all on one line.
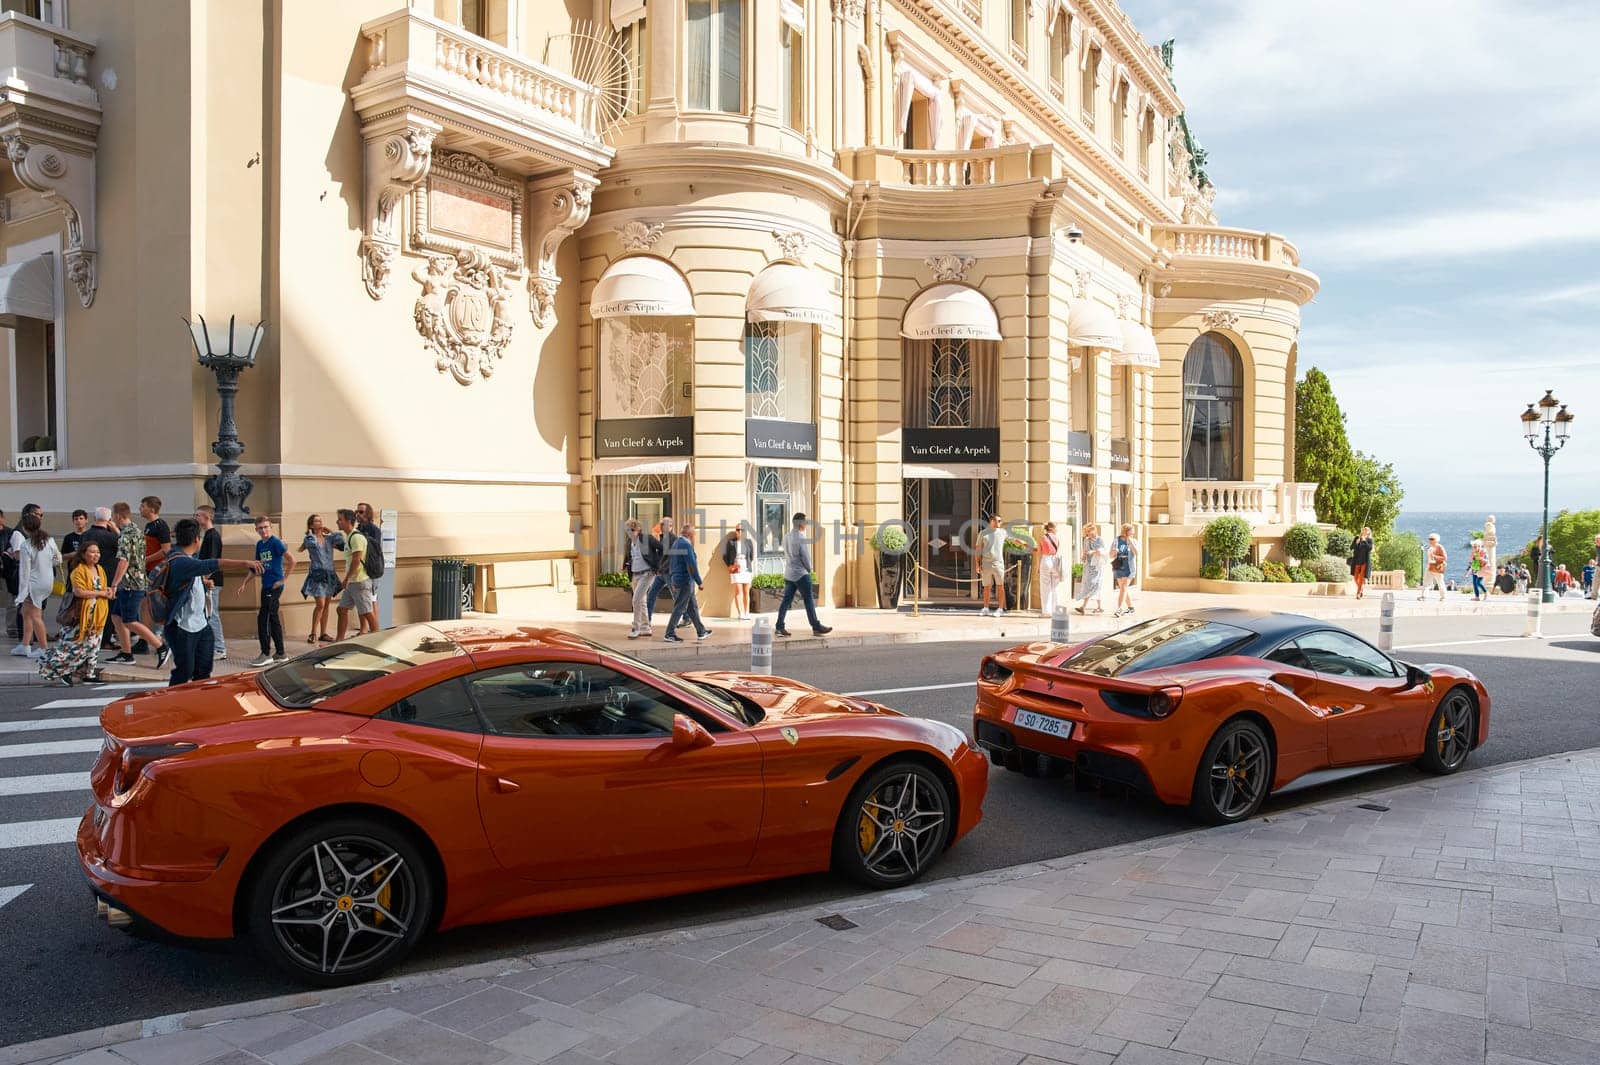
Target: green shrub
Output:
[(613, 580), (1401, 551), (1246, 572), (1276, 572), (1304, 542), (1340, 543), (1213, 571), (890, 539), (1329, 570), (1077, 571), (1227, 538), (1301, 575), (1019, 541), (770, 582)]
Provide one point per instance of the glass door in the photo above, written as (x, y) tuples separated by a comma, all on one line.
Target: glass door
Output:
[(949, 551)]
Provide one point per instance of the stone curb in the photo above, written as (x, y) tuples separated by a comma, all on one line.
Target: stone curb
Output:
[(55, 1047)]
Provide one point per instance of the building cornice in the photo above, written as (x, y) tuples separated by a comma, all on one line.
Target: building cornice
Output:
[(1115, 26), (1273, 279), (647, 163)]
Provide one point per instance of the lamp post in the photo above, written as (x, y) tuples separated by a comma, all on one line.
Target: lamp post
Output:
[(1556, 422), (227, 354)]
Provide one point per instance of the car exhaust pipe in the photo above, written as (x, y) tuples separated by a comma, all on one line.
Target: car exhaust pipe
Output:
[(118, 918)]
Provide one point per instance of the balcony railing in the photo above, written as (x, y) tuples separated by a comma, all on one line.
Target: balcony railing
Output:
[(1260, 503), (1218, 242), (945, 169)]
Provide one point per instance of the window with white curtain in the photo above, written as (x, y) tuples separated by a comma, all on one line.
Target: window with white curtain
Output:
[(1091, 84), (794, 77), (1058, 55), (715, 55), (1147, 141)]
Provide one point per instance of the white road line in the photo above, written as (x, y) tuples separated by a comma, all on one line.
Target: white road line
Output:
[(1465, 643), (43, 783), (142, 686), (75, 704), (33, 750), (10, 894), (45, 724), (919, 688), (39, 833)]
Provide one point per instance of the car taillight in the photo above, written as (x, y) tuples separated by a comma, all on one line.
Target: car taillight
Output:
[(1158, 704), (1165, 701), (992, 672), (135, 759)]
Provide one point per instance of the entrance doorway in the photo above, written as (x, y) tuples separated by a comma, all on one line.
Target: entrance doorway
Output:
[(946, 516)]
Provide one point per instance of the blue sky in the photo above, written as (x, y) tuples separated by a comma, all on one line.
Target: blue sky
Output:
[(1437, 165)]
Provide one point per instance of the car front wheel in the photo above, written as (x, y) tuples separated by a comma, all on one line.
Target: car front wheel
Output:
[(893, 826), (1449, 739), (1234, 775), (340, 901)]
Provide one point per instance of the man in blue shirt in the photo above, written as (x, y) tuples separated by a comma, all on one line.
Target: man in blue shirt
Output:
[(271, 552), (684, 568), (188, 632)]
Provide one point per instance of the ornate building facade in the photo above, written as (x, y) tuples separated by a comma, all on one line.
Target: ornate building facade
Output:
[(530, 269)]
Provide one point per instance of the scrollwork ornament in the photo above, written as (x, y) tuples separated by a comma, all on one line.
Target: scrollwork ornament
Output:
[(639, 236), (1221, 318), (462, 313), (792, 244), (1080, 283), (949, 266)]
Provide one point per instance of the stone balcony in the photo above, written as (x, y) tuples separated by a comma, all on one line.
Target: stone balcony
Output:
[(1221, 255), (1258, 502), (966, 168)]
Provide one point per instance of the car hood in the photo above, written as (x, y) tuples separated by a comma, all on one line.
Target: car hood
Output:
[(789, 700)]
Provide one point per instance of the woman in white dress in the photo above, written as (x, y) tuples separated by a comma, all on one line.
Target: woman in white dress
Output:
[(738, 554), (36, 573), (1094, 578), (1050, 568)]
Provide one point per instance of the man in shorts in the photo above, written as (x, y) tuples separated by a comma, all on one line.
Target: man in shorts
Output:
[(130, 582), (357, 594), (992, 565)]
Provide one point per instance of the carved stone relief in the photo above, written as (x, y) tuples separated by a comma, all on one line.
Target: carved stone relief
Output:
[(1080, 283), (560, 207), (639, 236), (462, 313), (1221, 318), (949, 267), (396, 163), (792, 243), (67, 180)]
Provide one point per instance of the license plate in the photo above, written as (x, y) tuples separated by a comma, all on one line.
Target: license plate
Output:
[(1050, 726)]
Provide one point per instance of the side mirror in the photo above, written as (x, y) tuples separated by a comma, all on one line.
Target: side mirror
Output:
[(688, 734), (1415, 677)]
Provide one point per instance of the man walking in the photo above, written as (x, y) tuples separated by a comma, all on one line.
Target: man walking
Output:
[(643, 553), (131, 583), (211, 547), (188, 633), (686, 581), (992, 565), (797, 579), (357, 585), (663, 581), (1435, 558), (272, 553), (367, 525)]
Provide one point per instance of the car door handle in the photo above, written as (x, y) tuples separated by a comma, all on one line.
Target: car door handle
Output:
[(1333, 710), (501, 784)]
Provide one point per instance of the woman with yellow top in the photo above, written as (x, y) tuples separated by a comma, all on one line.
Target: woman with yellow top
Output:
[(79, 648)]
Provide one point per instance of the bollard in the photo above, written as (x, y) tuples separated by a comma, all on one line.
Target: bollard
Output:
[(1535, 613), (1386, 624), (1060, 626), (761, 646)]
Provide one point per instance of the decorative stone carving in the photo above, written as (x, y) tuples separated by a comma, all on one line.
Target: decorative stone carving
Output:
[(1125, 303), (67, 181), (639, 236), (464, 163), (1164, 290), (560, 207), (792, 243), (850, 9), (1221, 318), (1080, 283), (462, 314), (466, 205), (949, 267), (396, 163)]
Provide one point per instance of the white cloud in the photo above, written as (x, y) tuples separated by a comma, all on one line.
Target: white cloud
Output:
[(1464, 233), (1586, 293)]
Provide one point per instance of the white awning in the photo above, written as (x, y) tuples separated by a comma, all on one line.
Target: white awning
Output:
[(644, 464), (793, 15), (950, 311), (1093, 325), (786, 292), (625, 13), (950, 471), (27, 290), (786, 464), (1138, 348), (644, 286)]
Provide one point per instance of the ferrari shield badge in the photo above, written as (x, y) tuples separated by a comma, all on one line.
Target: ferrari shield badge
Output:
[(1428, 687), (791, 735)]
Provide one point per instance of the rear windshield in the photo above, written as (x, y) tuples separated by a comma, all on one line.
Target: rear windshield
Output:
[(1157, 643), (316, 675)]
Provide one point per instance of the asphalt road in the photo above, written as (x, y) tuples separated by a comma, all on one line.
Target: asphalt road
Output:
[(63, 971)]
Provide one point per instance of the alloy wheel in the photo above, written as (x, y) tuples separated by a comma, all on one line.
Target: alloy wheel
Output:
[(1454, 737), (900, 827), (1238, 773), (344, 903)]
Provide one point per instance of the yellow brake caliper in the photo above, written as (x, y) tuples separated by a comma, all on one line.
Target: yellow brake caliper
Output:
[(867, 830), (383, 897)]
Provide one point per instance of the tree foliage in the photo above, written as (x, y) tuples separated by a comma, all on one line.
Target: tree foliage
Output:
[(1227, 538), (1304, 541), (1321, 448), (1401, 551), (1340, 543), (1572, 534), (1378, 497)]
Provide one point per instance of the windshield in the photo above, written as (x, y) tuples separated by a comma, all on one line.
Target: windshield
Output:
[(316, 675), (735, 708), (1157, 643)]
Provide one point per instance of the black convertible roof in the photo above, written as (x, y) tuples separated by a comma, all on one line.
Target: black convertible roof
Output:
[(1274, 624)]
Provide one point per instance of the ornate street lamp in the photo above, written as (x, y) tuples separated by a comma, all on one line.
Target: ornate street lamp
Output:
[(1556, 422), (227, 353)]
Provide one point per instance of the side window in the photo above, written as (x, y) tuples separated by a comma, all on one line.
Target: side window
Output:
[(1290, 655), (1339, 655), (571, 700), (444, 705)]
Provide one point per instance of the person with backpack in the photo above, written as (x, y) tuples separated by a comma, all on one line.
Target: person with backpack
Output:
[(82, 621), (131, 583), (188, 630), (357, 594), (367, 525)]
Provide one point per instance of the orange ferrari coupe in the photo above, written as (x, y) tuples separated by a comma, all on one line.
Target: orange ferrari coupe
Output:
[(337, 806), (1215, 709)]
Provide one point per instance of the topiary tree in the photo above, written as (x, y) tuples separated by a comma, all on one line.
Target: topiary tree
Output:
[(1340, 543), (1227, 539), (1572, 534), (1322, 449), (1402, 551), (1304, 541)]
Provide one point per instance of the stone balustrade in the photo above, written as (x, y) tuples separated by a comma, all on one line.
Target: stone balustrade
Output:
[(1258, 502), (1220, 242), (966, 168)]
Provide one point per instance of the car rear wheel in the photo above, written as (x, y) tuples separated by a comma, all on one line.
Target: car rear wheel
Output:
[(1449, 738), (1234, 775), (340, 901), (893, 826)]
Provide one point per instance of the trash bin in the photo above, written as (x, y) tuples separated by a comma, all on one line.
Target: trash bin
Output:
[(446, 604)]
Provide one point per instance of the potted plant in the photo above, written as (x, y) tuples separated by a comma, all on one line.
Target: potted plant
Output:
[(890, 542), (766, 593), (1019, 548), (1227, 540), (613, 591)]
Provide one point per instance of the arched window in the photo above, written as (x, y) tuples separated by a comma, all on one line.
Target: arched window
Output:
[(1213, 410)]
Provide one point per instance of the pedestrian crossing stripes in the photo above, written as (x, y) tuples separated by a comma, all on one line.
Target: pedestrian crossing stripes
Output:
[(49, 724), (34, 750), (10, 894), (39, 833), (43, 783), (75, 704)]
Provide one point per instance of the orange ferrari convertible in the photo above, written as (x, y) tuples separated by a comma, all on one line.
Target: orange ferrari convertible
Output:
[(337, 806), (1215, 709)]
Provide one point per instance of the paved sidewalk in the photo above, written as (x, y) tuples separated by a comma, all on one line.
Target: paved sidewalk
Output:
[(866, 628), (1451, 921)]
